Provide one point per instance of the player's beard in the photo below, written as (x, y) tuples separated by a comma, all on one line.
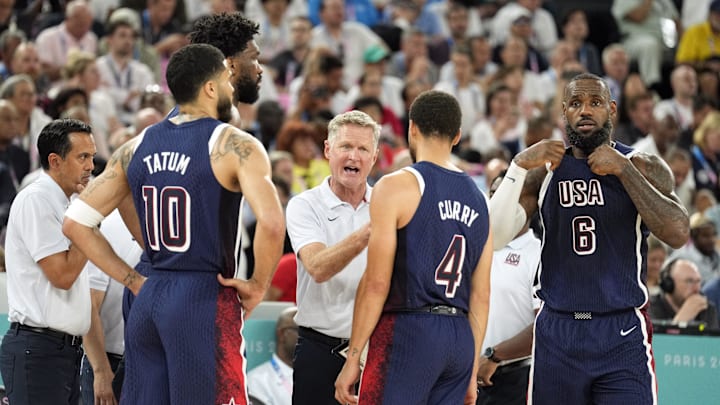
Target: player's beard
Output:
[(247, 90), (224, 109), (588, 143)]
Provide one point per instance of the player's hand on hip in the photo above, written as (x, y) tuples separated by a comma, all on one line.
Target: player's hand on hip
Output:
[(540, 154), (345, 383), (607, 160), (249, 292)]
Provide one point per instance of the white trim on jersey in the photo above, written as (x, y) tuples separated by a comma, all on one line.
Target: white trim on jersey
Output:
[(419, 177), (638, 254), (139, 140), (215, 135), (648, 353), (541, 199)]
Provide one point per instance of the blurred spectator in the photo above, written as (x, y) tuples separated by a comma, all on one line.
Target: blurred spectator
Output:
[(65, 99), (54, 43), (683, 81), (269, 120), (26, 61), (388, 89), (254, 10), (680, 163), (284, 283), (474, 20), (230, 6), (160, 29), (549, 78), (271, 382), (706, 154), (281, 163), (640, 113), (702, 250), (641, 22), (503, 125), (413, 14), (701, 107), (142, 51), (698, 42), (709, 84), (694, 12), (656, 255), (465, 88), (143, 119), (360, 11), (348, 40), (411, 62), (154, 97), (520, 27), (663, 136), (273, 36), (10, 39), (82, 71), (542, 22), (616, 66), (288, 64), (456, 16), (7, 15), (123, 77), (14, 163), (575, 31), (309, 168), (680, 300), (20, 91), (412, 89), (711, 290)]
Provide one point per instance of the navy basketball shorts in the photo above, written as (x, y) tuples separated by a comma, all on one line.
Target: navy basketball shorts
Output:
[(418, 358), (183, 342), (603, 360)]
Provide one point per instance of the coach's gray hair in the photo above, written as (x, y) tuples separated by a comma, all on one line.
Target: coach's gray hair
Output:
[(7, 90), (354, 117)]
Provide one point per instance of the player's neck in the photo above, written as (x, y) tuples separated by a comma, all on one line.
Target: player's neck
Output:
[(191, 112), (436, 152)]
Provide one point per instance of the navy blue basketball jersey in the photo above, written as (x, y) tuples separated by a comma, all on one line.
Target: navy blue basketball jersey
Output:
[(190, 221), (594, 248), (438, 250)]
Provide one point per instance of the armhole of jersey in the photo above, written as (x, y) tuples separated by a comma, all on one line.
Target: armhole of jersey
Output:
[(239, 263), (418, 176), (215, 135), (138, 140)]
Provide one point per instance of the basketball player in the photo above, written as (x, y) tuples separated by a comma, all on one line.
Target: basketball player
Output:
[(597, 201), (423, 300), (187, 176)]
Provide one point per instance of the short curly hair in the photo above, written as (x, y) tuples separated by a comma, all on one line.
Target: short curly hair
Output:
[(229, 32)]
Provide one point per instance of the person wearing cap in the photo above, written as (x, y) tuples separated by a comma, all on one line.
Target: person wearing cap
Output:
[(376, 58), (542, 22), (702, 250), (701, 41), (121, 76)]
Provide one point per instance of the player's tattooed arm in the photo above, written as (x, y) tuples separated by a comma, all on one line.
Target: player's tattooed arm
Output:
[(118, 163), (234, 143), (650, 184)]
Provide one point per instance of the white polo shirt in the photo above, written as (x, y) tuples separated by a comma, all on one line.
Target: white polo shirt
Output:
[(34, 232), (318, 215), (122, 242), (512, 300)]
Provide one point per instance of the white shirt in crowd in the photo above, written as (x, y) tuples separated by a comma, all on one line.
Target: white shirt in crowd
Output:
[(271, 382)]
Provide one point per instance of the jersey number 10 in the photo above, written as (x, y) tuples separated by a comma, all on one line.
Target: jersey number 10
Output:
[(167, 221)]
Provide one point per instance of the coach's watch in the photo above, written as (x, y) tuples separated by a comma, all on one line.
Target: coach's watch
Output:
[(490, 354)]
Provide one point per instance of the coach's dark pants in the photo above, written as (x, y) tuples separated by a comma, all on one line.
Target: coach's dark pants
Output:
[(315, 369), (40, 369), (509, 388)]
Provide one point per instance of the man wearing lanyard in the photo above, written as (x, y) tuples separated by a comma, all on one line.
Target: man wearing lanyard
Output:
[(272, 382)]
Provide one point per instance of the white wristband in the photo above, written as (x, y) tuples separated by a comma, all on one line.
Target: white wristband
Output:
[(80, 212)]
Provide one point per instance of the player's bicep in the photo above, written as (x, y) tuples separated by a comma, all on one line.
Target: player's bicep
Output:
[(383, 232), (657, 173), (106, 192)]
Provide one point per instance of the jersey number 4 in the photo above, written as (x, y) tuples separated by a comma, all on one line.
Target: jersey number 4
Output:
[(449, 272), (167, 221)]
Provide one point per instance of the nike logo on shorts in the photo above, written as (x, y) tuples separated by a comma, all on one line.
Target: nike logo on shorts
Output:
[(627, 332)]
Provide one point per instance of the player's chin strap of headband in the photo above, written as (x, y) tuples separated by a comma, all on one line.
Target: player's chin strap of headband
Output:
[(507, 216), (80, 212)]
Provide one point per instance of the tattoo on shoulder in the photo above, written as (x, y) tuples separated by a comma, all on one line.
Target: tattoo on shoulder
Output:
[(655, 170), (232, 142), (122, 156)]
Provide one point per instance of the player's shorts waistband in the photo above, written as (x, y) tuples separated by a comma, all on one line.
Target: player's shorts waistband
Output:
[(435, 309), (160, 272), (586, 315), (316, 336)]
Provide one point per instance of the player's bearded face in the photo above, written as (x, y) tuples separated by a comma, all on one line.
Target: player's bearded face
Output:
[(588, 142), (224, 109), (247, 89)]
